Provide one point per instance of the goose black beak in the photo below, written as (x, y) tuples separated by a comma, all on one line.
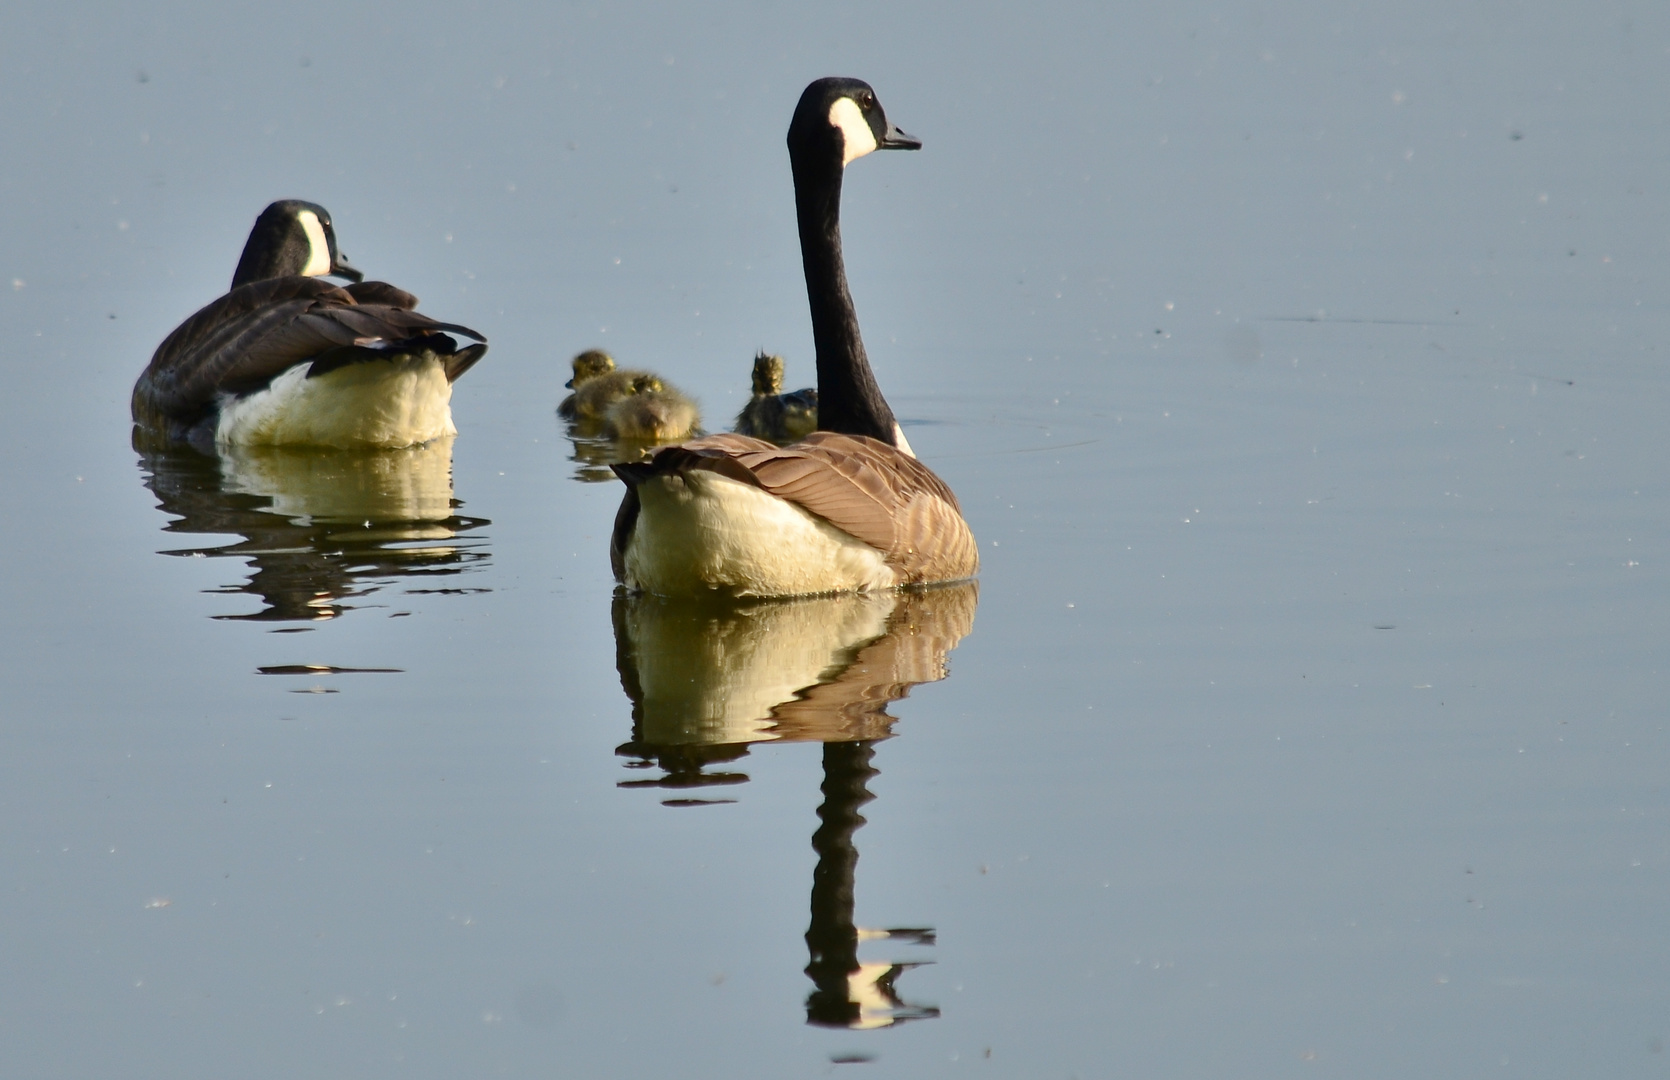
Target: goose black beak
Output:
[(342, 268), (897, 140)]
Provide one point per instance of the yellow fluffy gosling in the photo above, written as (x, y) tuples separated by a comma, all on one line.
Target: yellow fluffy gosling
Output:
[(597, 384), (770, 413), (651, 412)]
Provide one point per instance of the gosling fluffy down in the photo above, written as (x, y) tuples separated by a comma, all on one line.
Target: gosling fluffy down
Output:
[(595, 384), (652, 412), (773, 415)]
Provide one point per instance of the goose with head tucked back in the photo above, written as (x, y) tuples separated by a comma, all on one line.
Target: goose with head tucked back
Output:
[(848, 508), (286, 358)]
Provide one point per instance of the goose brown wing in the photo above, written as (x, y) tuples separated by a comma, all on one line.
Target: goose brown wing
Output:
[(257, 331), (380, 292), (862, 486)]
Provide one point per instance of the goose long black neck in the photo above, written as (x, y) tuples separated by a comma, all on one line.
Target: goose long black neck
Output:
[(849, 400)]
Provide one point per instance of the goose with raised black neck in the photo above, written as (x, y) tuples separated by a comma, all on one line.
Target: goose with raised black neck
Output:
[(848, 508)]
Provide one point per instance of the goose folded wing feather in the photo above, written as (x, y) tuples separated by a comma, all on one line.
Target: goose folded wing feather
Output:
[(855, 483), (230, 350), (381, 292)]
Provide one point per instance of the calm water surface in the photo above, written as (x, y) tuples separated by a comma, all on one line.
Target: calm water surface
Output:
[(1300, 370)]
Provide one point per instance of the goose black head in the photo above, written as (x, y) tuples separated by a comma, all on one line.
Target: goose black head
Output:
[(841, 120), (292, 237)]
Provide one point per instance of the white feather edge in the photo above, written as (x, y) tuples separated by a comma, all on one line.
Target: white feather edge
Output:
[(901, 442), (698, 529), (391, 403)]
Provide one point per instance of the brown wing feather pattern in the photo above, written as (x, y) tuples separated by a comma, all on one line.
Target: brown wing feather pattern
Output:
[(380, 292), (862, 486), (254, 333)]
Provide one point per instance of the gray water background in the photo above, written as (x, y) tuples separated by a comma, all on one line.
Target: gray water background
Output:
[(1300, 370)]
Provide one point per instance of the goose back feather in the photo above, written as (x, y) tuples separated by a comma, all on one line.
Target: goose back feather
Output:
[(863, 487), (240, 343)]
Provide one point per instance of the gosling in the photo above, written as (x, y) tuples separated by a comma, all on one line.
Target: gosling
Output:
[(596, 385), (651, 412), (773, 415)]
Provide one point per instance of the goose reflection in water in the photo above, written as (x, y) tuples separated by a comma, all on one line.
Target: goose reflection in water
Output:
[(319, 527), (708, 679), (595, 450)]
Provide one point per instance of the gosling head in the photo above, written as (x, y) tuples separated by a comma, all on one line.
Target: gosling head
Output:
[(589, 365), (800, 413), (768, 374)]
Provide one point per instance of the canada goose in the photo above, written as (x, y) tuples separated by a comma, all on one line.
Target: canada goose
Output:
[(285, 358), (651, 412), (773, 415), (847, 508)]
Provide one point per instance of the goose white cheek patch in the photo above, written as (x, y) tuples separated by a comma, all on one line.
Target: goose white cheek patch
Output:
[(318, 248), (855, 130)]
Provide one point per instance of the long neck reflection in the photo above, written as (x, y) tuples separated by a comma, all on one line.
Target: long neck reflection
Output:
[(849, 993), (832, 939), (707, 680)]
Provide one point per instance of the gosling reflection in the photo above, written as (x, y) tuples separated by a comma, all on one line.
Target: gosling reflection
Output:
[(595, 446), (320, 528), (593, 451), (709, 679)]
